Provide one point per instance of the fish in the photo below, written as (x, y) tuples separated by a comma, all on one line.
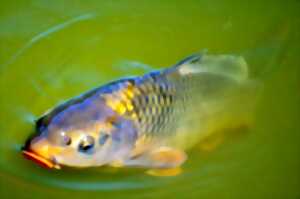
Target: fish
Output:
[(146, 121)]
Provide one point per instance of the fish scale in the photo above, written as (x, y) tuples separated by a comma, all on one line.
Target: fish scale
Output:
[(152, 102)]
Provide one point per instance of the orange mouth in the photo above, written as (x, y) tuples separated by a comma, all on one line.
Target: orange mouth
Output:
[(40, 160)]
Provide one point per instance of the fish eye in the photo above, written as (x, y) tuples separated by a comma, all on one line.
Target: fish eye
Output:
[(86, 144), (103, 138)]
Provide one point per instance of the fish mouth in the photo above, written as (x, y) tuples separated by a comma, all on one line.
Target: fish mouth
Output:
[(44, 162)]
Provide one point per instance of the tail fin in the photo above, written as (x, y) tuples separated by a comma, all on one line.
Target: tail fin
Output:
[(231, 66)]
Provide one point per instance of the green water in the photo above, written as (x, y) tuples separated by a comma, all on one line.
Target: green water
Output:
[(51, 51)]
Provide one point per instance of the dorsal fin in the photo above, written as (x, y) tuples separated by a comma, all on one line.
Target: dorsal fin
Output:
[(190, 59), (231, 66)]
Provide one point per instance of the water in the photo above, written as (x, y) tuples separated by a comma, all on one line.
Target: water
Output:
[(51, 51)]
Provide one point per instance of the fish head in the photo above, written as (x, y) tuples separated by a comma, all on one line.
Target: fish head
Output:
[(81, 136)]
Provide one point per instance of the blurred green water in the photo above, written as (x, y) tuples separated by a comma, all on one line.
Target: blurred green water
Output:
[(53, 50)]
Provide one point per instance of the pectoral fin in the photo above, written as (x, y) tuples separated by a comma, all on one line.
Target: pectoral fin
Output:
[(164, 172), (163, 157)]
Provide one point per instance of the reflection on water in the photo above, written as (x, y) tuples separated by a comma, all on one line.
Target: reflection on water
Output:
[(52, 51)]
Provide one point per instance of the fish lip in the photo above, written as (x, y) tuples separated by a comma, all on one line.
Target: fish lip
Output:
[(44, 162)]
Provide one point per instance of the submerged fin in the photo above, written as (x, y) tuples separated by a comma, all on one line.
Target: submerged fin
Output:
[(164, 172), (230, 66), (210, 143), (163, 157)]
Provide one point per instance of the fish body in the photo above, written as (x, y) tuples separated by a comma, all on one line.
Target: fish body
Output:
[(145, 121)]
